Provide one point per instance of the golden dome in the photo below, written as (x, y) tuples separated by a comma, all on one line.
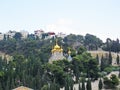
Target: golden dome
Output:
[(69, 52), (56, 46), (52, 50)]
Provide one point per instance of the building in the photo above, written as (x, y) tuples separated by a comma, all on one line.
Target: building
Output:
[(51, 34), (39, 33), (69, 56), (10, 34), (57, 53), (62, 35), (24, 34), (1, 36), (22, 88)]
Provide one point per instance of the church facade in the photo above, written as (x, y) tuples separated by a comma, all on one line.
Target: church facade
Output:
[(57, 54)]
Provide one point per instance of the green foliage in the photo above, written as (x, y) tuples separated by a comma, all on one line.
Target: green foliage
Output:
[(92, 42), (110, 58), (112, 45), (81, 49), (17, 36), (108, 69), (79, 87), (55, 72), (100, 84), (104, 63), (29, 65), (118, 60), (97, 58), (45, 87), (112, 82), (119, 74), (83, 84), (88, 85)]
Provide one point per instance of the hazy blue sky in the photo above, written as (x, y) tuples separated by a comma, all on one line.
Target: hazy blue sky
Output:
[(98, 17)]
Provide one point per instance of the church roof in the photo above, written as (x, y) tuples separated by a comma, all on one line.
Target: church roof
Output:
[(57, 48), (22, 88)]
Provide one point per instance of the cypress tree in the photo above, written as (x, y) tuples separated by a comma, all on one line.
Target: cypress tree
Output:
[(67, 83), (71, 84), (102, 64), (83, 85), (12, 84), (8, 84), (97, 58), (79, 86), (110, 58), (119, 73), (88, 85), (1, 86), (117, 59), (100, 85)]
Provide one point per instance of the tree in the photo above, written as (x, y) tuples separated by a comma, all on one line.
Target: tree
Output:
[(97, 58), (1, 86), (76, 67), (102, 64), (119, 73), (110, 58), (92, 69), (45, 87), (88, 85), (92, 42), (79, 86), (17, 36), (100, 85), (112, 82), (71, 84), (118, 59), (83, 84), (81, 49)]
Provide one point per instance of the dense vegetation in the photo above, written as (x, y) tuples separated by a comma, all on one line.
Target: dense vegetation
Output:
[(29, 65)]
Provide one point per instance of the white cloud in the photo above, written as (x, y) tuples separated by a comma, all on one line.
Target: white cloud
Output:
[(61, 25)]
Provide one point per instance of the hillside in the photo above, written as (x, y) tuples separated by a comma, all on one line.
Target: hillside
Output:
[(104, 53), (5, 56)]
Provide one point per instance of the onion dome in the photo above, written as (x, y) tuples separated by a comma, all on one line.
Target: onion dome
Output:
[(61, 50), (69, 52), (56, 46)]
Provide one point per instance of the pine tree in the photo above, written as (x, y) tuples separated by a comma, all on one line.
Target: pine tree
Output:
[(88, 85), (118, 59), (100, 84)]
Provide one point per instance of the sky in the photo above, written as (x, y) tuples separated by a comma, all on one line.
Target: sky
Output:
[(97, 17)]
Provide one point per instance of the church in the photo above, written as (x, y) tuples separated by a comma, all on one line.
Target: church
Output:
[(57, 54)]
